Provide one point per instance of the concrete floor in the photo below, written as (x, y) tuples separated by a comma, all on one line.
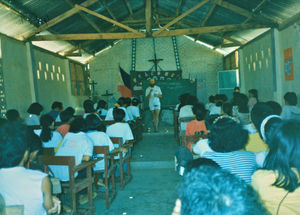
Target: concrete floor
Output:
[(153, 189)]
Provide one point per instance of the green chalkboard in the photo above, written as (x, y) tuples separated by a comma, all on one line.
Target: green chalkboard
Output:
[(171, 90)]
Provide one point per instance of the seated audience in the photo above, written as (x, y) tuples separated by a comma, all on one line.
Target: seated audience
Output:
[(278, 182), (76, 143), (88, 106), (102, 108), (94, 130), (253, 98), (127, 103), (134, 109), (56, 107), (18, 185), (182, 101), (216, 109), (35, 148), (120, 128), (277, 109), (198, 125), (209, 190), (227, 140), (211, 103), (34, 111), (119, 104), (50, 139), (186, 111), (13, 115), (290, 110), (66, 117)]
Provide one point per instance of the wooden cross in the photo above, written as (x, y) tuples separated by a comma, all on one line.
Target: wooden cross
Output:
[(155, 61)]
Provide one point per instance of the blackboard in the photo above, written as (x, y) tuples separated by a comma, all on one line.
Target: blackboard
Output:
[(171, 90)]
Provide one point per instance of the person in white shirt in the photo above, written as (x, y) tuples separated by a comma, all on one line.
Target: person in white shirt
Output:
[(50, 139), (34, 111), (18, 185), (120, 128), (290, 111), (120, 103), (133, 109), (154, 94), (94, 130), (76, 143), (102, 107)]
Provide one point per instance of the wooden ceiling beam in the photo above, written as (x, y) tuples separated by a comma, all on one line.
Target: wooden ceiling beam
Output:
[(85, 18), (55, 20), (257, 8), (148, 16), (179, 7), (129, 8), (289, 21), (108, 9), (208, 15), (130, 35), (108, 19), (178, 18)]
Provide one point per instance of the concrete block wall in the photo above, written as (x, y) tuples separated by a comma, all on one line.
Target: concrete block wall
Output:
[(196, 62), (25, 85)]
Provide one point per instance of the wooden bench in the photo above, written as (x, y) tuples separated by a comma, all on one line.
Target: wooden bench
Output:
[(109, 173), (74, 185), (121, 160)]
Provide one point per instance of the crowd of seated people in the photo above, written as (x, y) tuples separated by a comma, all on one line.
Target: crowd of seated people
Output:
[(256, 142), (22, 178)]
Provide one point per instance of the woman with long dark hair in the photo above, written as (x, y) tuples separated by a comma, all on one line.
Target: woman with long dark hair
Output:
[(278, 181)]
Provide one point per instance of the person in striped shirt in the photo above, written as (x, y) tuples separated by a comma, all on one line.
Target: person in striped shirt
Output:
[(227, 141)]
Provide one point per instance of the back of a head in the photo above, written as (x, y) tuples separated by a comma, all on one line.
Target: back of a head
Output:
[(192, 100), (121, 101), (210, 190), (258, 113), (227, 108), (253, 92), (65, 116), (223, 97), (101, 104), (88, 106), (135, 102), (291, 98), (35, 108), (46, 120), (127, 101), (70, 110), (12, 115), (57, 105), (199, 111), (276, 107), (14, 142), (46, 133), (227, 135), (196, 163), (118, 114), (284, 154), (211, 99), (93, 123), (77, 125)]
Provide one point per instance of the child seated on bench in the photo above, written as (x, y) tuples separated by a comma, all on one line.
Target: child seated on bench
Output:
[(18, 185)]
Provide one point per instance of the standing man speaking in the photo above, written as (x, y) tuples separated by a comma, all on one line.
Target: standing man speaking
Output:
[(154, 94)]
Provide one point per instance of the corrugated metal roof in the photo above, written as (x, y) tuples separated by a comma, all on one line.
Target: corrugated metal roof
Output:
[(19, 17)]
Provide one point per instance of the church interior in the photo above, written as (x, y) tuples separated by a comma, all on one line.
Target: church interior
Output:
[(208, 62)]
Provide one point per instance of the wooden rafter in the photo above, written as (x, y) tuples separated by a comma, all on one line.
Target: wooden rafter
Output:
[(208, 15), (244, 12), (179, 7), (129, 35), (181, 17), (108, 19), (85, 18), (257, 8), (55, 20), (148, 16), (129, 8), (108, 9), (287, 22)]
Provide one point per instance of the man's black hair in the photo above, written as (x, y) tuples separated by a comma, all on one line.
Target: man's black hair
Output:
[(65, 116), (291, 98), (254, 92), (35, 108), (77, 125), (101, 104), (210, 190), (118, 114), (57, 104), (227, 108), (88, 106), (93, 123), (12, 115), (135, 102), (277, 109), (199, 111)]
